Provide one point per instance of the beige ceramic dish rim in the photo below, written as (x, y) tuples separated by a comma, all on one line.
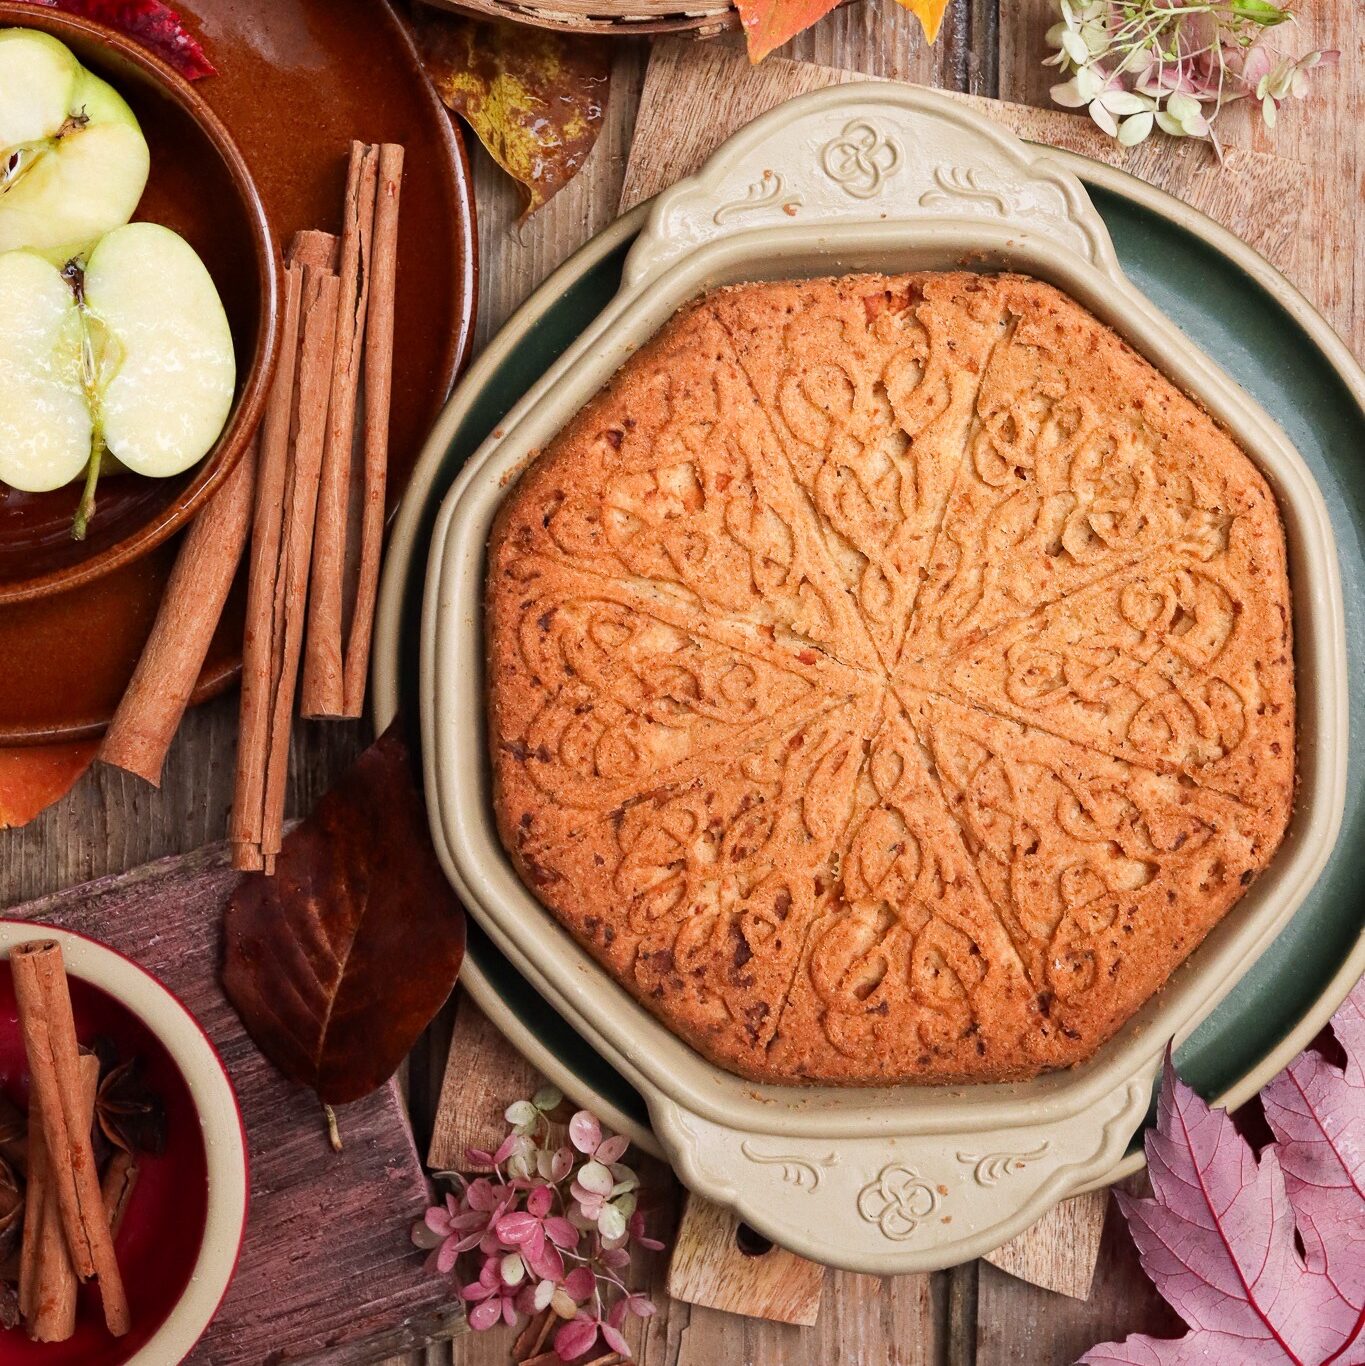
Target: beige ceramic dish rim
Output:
[(404, 547), (215, 1103), (575, 984)]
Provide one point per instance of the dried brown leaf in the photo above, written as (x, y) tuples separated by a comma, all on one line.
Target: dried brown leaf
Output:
[(534, 97), (338, 962)]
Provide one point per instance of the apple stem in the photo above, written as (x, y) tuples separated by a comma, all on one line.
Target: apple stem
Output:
[(85, 509)]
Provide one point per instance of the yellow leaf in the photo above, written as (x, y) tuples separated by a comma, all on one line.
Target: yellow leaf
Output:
[(535, 98), (929, 13)]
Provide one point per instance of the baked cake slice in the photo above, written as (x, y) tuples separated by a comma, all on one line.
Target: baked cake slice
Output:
[(1180, 663), (1080, 462), (871, 384), (670, 482), (907, 971), (1101, 871), (698, 897)]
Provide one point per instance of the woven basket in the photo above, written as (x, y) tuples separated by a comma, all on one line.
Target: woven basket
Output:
[(625, 18)]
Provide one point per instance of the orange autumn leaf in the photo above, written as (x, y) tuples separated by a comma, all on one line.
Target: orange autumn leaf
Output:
[(534, 97), (32, 777), (770, 23)]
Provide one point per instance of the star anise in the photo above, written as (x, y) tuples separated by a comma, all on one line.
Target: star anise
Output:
[(131, 1115), (13, 1134)]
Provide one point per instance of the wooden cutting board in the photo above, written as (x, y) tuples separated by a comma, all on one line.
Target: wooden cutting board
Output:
[(327, 1273), (696, 95)]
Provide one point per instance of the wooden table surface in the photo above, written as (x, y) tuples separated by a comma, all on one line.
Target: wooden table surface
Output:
[(110, 822)]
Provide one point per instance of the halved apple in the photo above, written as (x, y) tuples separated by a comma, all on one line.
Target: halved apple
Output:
[(167, 371), (132, 357), (73, 161), (46, 426)]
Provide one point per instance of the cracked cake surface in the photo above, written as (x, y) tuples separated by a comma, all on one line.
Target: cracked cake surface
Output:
[(890, 678)]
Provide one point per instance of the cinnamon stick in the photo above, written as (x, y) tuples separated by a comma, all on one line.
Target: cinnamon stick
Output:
[(36, 1196), (379, 322), (315, 248), (49, 1033), (324, 691), (317, 329), (259, 639), (150, 712), (531, 1340), (120, 1179), (52, 1315)]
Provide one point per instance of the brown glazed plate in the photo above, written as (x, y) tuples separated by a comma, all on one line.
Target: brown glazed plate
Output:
[(297, 80), (200, 186)]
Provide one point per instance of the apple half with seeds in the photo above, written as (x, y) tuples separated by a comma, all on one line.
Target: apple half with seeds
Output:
[(73, 161), (130, 357)]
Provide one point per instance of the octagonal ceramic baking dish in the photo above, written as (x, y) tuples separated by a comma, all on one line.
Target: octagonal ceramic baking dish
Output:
[(868, 177)]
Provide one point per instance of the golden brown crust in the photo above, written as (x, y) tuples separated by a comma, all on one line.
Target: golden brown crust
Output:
[(890, 678)]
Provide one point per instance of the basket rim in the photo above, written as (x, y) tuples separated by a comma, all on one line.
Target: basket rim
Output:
[(625, 19)]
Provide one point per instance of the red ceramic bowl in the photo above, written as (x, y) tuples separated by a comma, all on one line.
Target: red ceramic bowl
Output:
[(200, 186), (180, 1238)]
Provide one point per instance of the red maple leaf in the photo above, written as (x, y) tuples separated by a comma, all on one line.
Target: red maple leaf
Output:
[(153, 24), (1218, 1238)]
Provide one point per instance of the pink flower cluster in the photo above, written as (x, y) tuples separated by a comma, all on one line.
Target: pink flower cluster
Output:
[(549, 1228), (1140, 65)]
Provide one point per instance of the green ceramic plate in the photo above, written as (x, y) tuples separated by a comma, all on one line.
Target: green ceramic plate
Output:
[(1245, 316)]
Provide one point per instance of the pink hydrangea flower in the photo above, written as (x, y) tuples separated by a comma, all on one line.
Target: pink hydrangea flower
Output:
[(549, 1229)]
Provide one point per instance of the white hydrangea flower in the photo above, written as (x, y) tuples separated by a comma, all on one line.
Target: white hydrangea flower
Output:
[(1142, 65)]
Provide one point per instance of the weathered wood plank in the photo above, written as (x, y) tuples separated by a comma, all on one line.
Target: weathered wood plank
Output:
[(484, 1074), (718, 1263), (1017, 1325), (1060, 1250), (319, 1220)]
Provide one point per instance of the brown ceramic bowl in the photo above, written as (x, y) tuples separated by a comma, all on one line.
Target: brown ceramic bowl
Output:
[(200, 186)]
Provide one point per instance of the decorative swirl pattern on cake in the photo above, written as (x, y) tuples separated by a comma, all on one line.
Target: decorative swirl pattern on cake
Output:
[(890, 679)]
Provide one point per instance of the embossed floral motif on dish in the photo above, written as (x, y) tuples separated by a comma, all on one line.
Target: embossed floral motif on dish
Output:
[(897, 1201)]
